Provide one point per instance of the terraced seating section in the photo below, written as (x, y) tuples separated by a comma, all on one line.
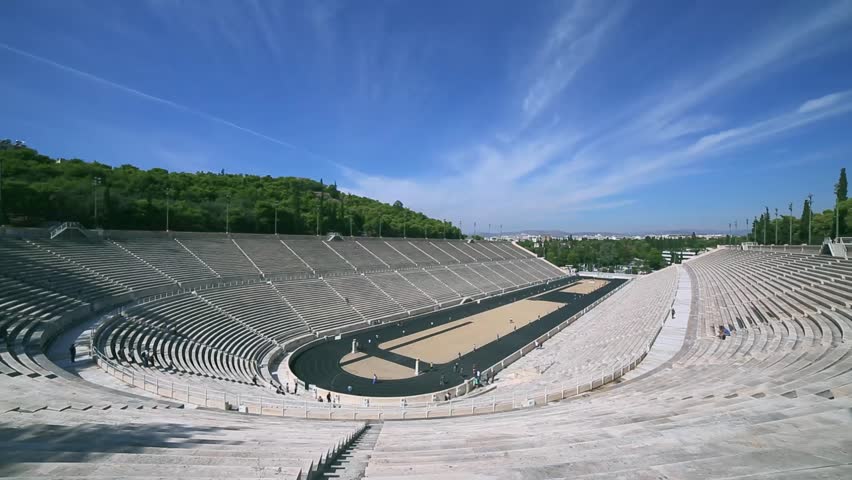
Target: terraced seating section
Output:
[(411, 251), (189, 334), (18, 298), (618, 331), (430, 285), (260, 306), (169, 257), (306, 295), (318, 255), (771, 401), (482, 283), (220, 254), (27, 262), (363, 295), (125, 443), (388, 255), (356, 255), (750, 288), (457, 283), (109, 260), (272, 256), (403, 291)]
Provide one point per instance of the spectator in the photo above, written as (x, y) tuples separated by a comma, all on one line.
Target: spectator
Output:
[(328, 397), (72, 352), (375, 379), (254, 379)]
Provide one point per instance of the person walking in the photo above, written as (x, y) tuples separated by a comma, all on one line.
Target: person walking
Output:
[(72, 352), (375, 379)]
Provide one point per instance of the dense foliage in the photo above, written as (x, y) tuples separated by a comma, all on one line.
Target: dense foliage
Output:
[(643, 254), (824, 224), (37, 189)]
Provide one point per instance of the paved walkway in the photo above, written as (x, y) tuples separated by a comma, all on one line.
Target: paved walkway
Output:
[(671, 338)]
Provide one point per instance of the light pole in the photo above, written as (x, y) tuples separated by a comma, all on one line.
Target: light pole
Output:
[(754, 226), (168, 198), (489, 229), (501, 230), (776, 226), (736, 227), (380, 226), (350, 226), (811, 218), (2, 216), (95, 182), (460, 230), (276, 219), (765, 224), (730, 237), (836, 219), (748, 233), (791, 223), (403, 225), (228, 214), (474, 229)]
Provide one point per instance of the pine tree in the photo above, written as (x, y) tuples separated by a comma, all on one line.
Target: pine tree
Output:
[(841, 194), (840, 186), (803, 222)]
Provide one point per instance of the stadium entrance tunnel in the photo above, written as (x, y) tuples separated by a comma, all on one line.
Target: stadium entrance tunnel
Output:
[(449, 344)]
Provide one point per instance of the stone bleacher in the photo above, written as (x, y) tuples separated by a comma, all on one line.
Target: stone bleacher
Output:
[(771, 401)]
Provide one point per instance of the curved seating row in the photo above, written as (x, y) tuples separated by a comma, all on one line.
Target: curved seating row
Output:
[(613, 334), (770, 401)]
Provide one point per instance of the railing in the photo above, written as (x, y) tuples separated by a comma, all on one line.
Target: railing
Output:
[(282, 405), (804, 249), (56, 231)]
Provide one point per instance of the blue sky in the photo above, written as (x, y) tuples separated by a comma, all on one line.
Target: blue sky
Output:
[(591, 115)]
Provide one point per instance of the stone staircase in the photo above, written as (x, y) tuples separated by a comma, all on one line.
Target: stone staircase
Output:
[(352, 461)]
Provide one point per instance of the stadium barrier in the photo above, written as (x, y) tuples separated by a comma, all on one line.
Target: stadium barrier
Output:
[(406, 408)]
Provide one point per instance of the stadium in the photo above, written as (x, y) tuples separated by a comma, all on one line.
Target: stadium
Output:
[(487, 359), (399, 240)]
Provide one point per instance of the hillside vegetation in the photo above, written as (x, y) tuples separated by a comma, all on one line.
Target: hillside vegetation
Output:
[(37, 189)]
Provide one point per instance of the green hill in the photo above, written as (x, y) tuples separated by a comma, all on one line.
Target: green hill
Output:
[(37, 189)]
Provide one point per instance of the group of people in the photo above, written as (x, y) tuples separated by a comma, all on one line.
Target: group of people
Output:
[(286, 389), (334, 401)]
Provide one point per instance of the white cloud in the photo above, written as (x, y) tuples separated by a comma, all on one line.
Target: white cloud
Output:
[(573, 42), (542, 179), (822, 102)]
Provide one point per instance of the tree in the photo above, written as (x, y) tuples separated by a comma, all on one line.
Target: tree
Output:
[(840, 186), (841, 195), (38, 189), (804, 222)]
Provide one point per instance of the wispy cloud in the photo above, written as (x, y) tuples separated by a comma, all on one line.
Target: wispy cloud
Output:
[(162, 101), (542, 171), (572, 42)]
